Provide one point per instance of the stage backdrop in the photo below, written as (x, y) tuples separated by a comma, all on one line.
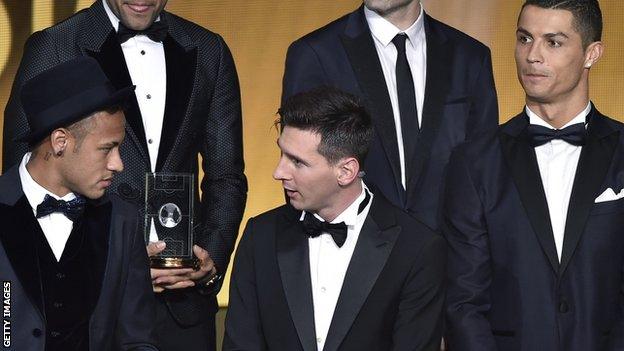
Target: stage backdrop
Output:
[(259, 32)]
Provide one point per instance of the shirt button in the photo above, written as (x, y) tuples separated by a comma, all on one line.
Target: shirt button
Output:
[(148, 96), (60, 275), (142, 52), (57, 304), (149, 141), (323, 289), (319, 340), (563, 307)]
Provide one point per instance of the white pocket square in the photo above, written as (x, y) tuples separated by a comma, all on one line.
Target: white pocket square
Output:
[(609, 195)]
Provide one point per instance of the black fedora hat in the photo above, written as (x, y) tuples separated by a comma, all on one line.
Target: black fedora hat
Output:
[(66, 94)]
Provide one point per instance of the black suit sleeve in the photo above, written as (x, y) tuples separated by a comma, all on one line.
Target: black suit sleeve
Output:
[(224, 186), (303, 70), (137, 311), (39, 55), (418, 325), (243, 330), (484, 107), (469, 272)]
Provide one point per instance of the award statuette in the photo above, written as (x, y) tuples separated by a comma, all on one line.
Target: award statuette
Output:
[(169, 218)]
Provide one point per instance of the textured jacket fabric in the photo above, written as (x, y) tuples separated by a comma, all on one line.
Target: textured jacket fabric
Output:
[(202, 116)]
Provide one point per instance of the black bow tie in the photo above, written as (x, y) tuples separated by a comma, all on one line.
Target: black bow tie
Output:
[(156, 32), (574, 134), (71, 209), (314, 227)]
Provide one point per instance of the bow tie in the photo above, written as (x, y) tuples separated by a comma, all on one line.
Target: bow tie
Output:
[(574, 134), (314, 227), (156, 32), (71, 209)]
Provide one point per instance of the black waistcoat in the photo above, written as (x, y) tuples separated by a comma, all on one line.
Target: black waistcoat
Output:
[(72, 285)]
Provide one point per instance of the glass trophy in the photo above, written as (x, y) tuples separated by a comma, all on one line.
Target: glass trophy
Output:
[(169, 218)]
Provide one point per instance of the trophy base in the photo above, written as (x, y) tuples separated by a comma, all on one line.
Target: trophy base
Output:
[(174, 262)]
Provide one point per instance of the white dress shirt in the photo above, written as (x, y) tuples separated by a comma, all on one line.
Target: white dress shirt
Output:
[(557, 161), (329, 263), (146, 64), (145, 60), (55, 226), (416, 51)]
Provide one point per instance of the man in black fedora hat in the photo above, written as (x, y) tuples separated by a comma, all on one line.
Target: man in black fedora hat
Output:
[(74, 267), (187, 104)]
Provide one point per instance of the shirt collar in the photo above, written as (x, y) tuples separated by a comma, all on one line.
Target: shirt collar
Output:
[(113, 18), (34, 192), (384, 31), (580, 118), (350, 215)]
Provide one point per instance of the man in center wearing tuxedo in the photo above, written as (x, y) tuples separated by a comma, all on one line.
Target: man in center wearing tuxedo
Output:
[(428, 87), (534, 213), (339, 267)]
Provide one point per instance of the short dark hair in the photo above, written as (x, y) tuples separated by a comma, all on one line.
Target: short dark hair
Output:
[(587, 16), (341, 120), (81, 127)]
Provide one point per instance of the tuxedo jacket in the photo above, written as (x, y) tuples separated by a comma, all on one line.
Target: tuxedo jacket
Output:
[(460, 101), (391, 297), (202, 115), (123, 316), (507, 288)]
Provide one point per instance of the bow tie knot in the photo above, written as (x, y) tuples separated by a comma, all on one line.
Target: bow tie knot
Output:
[(574, 134), (72, 209), (314, 227), (156, 32)]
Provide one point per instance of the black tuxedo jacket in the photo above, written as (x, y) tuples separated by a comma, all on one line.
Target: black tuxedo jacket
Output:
[(202, 115), (124, 313), (460, 101), (507, 289), (391, 298)]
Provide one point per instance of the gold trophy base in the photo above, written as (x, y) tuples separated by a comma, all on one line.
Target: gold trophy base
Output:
[(174, 262)]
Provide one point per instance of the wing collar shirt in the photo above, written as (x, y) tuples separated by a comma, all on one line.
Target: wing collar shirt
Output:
[(146, 64), (329, 263), (55, 226), (416, 51), (557, 161), (145, 60)]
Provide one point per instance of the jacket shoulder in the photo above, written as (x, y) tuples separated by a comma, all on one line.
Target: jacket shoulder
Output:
[(123, 207), (68, 26), (459, 39), (198, 35), (327, 33)]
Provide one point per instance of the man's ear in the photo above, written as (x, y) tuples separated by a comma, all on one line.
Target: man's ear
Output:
[(593, 53), (348, 170), (59, 140)]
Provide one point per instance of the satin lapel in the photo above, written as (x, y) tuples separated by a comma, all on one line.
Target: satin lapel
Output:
[(294, 266), (118, 239), (111, 59), (96, 220), (18, 238), (439, 55), (360, 49), (592, 168), (522, 163), (375, 243), (181, 67)]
